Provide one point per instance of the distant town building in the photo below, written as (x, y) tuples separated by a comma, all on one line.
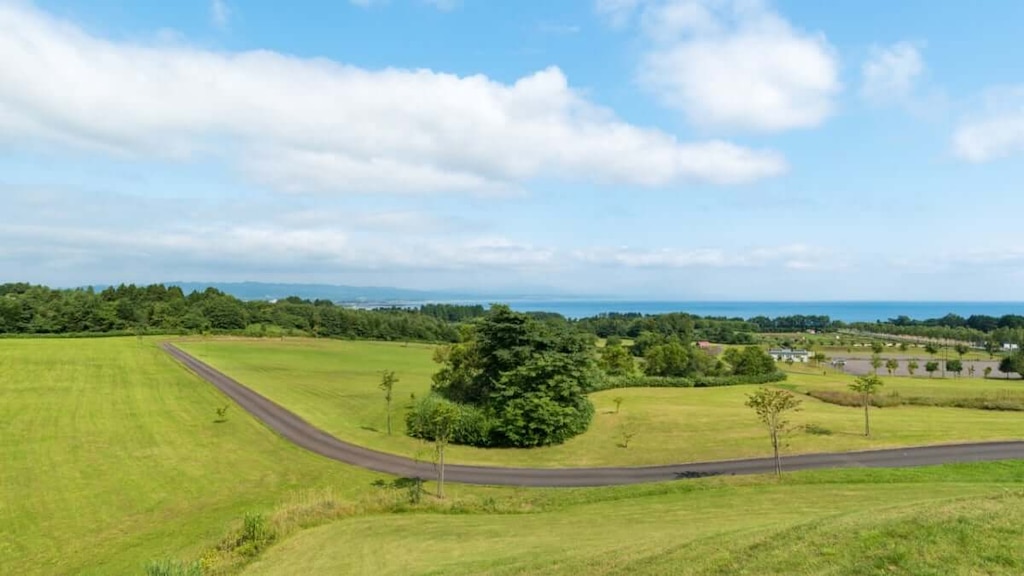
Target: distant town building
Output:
[(785, 354), (1007, 346)]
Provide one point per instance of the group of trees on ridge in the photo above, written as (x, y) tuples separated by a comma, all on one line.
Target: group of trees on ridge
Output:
[(32, 309), (27, 309)]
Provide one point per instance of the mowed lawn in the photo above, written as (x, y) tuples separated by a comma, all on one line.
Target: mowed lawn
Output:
[(943, 520), (333, 385), (110, 457)]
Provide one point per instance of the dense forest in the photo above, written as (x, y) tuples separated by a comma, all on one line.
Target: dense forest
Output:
[(26, 309), (159, 309)]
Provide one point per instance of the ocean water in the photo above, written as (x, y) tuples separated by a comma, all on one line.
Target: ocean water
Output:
[(861, 311)]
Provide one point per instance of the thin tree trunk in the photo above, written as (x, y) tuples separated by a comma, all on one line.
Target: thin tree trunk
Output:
[(389, 417), (867, 426), (775, 447), (440, 473)]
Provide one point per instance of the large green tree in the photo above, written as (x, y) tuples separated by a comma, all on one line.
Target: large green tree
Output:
[(749, 361), (529, 376), (616, 360), (670, 359)]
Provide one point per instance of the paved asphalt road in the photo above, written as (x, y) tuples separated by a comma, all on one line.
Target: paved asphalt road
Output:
[(309, 437)]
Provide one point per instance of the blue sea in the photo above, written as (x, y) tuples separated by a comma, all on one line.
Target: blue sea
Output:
[(862, 311)]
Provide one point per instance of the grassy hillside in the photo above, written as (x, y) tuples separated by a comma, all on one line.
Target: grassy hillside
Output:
[(111, 456), (943, 520), (334, 385)]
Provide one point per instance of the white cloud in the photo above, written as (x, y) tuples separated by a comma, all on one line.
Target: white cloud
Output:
[(996, 131), (314, 124), (268, 248), (889, 75), (794, 257), (733, 64), (220, 13)]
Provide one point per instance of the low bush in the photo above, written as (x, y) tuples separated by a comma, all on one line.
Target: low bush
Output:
[(475, 427), (255, 536), (816, 430)]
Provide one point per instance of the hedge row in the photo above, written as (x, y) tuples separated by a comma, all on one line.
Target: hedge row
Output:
[(641, 381)]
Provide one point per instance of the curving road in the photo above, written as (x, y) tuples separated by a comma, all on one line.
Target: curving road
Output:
[(300, 432)]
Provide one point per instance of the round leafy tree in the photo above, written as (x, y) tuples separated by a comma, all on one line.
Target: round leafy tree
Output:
[(529, 378)]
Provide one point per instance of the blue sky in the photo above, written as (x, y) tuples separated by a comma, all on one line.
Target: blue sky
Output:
[(662, 149)]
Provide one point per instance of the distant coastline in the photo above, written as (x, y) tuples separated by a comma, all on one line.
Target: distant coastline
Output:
[(856, 311)]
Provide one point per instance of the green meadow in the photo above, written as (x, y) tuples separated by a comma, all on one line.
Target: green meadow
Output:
[(333, 384), (832, 523), (113, 457)]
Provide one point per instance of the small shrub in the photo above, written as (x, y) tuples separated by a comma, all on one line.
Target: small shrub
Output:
[(626, 433), (817, 430), (475, 427), (222, 413), (255, 536)]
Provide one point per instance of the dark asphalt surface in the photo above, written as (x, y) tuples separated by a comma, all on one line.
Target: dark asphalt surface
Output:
[(300, 432)]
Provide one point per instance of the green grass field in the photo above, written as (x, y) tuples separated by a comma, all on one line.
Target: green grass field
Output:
[(806, 378), (111, 457), (944, 520), (334, 386)]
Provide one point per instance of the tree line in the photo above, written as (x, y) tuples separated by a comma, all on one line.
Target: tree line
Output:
[(28, 309), (156, 308)]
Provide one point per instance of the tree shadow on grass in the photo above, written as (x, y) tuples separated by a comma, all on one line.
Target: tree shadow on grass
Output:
[(369, 428)]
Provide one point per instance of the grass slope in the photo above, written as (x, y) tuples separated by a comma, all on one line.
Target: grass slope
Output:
[(334, 386), (111, 458), (941, 520)]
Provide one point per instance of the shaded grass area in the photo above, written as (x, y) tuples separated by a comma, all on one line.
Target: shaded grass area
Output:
[(333, 385), (111, 458), (961, 518)]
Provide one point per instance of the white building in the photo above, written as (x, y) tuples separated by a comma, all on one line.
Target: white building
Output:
[(785, 354)]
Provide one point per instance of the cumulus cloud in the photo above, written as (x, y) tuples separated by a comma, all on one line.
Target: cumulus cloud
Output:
[(889, 74), (315, 124), (996, 130), (732, 64)]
